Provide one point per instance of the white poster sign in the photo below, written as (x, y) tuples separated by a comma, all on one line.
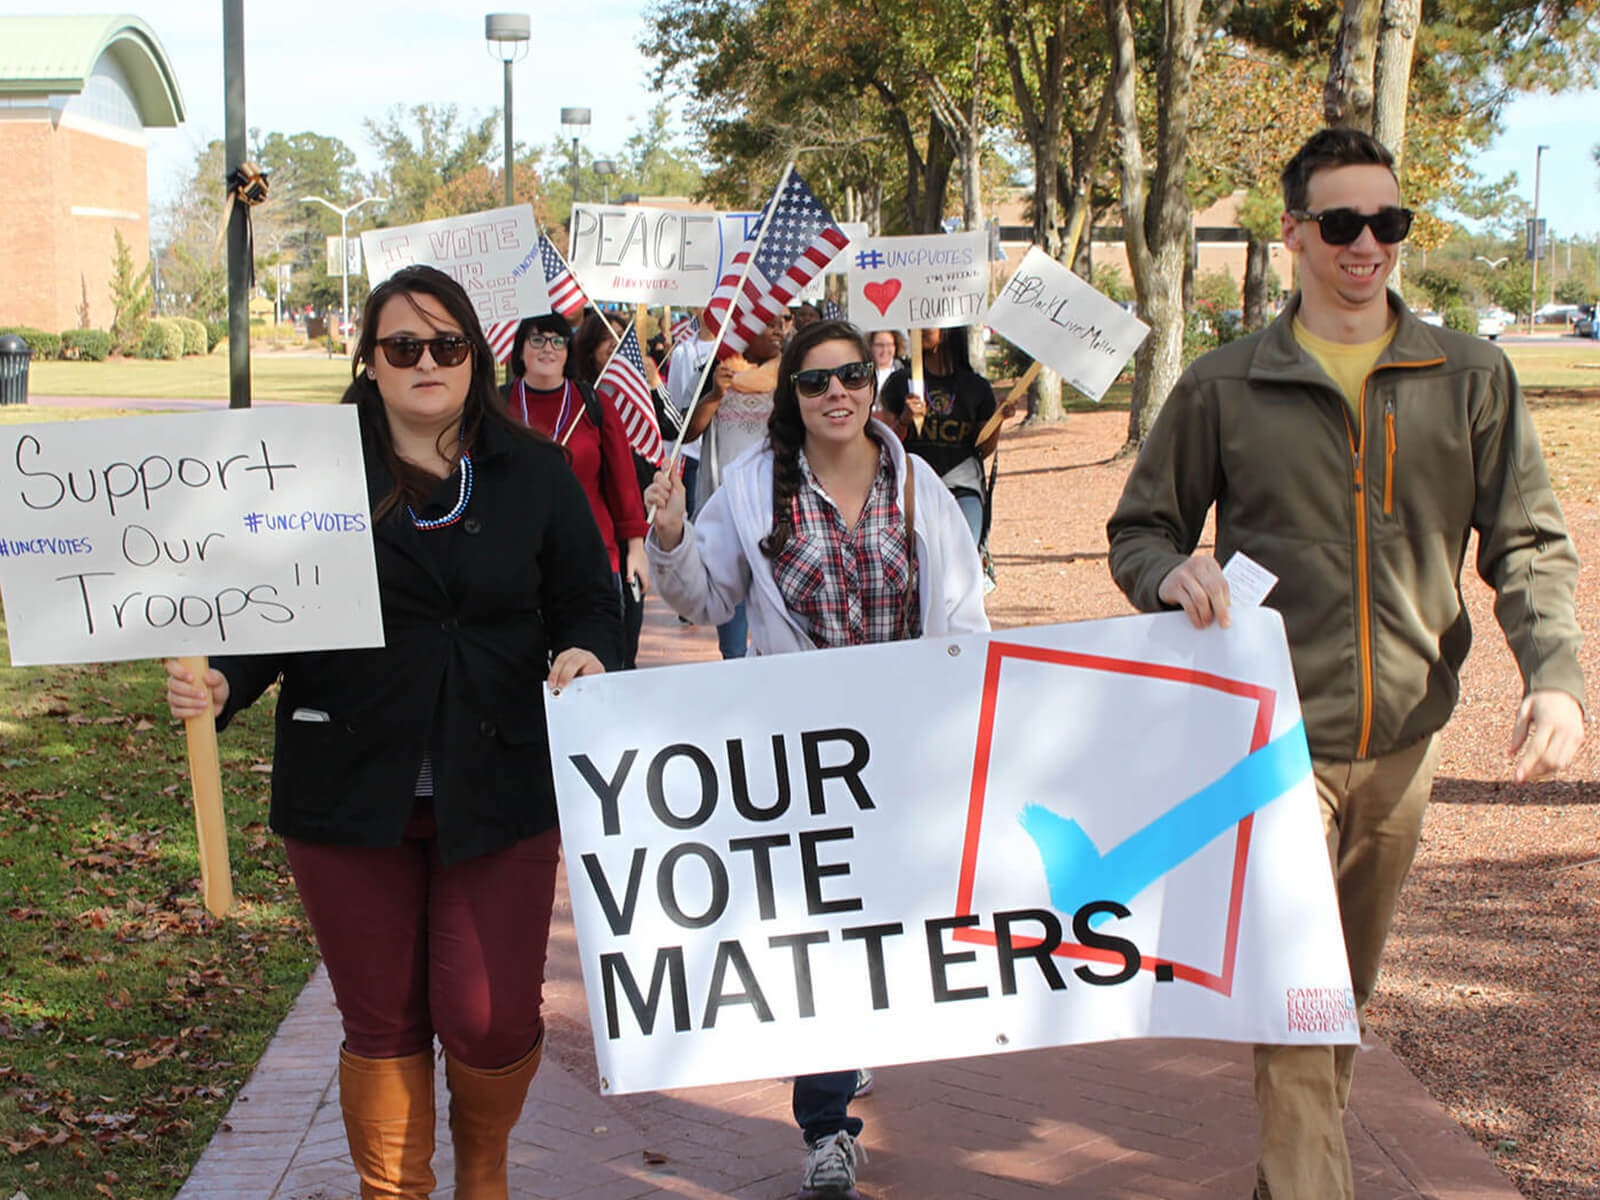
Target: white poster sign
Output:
[(192, 533), (945, 848), (352, 256), (494, 255), (634, 254), (1065, 324), (930, 282)]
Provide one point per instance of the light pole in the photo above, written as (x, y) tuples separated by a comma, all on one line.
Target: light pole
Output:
[(1533, 237), (507, 34), (573, 122), (1494, 264), (344, 249), (605, 168)]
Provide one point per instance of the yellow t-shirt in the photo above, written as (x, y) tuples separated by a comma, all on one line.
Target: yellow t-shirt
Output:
[(1348, 365)]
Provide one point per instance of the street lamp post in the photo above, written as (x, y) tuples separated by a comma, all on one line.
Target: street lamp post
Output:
[(1493, 264), (344, 248), (573, 122), (508, 35), (1533, 284), (605, 168)]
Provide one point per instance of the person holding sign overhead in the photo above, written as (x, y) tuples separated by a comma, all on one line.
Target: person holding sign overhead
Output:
[(1351, 450), (943, 426), (411, 783), (833, 536)]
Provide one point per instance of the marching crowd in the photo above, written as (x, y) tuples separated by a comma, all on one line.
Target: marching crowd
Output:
[(824, 500)]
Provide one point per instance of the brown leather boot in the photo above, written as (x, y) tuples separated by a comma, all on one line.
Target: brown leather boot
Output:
[(388, 1120), (484, 1105)]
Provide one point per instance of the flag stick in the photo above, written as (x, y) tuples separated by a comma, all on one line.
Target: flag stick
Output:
[(917, 387), (210, 826), (722, 327)]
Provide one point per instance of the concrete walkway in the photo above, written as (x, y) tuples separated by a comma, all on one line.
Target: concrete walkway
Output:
[(1152, 1120)]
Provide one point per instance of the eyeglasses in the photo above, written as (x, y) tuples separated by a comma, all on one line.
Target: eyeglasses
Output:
[(556, 341), (1341, 226), (814, 382), (448, 350)]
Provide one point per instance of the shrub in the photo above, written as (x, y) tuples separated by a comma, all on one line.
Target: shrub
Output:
[(194, 335), (162, 338), (86, 345), (43, 345), (216, 334), (1461, 318)]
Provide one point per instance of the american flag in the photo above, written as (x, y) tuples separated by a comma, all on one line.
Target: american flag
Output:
[(623, 383), (566, 298), (685, 328), (802, 241)]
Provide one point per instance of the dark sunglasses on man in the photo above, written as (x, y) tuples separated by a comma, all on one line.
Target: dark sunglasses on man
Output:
[(1341, 226), (448, 350), (814, 381)]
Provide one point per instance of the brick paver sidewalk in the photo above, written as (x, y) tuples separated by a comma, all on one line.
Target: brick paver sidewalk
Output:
[(1155, 1120)]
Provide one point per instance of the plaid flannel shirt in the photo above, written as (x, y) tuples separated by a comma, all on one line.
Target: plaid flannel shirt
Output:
[(847, 586)]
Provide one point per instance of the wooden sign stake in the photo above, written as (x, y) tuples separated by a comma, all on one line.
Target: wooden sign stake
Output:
[(210, 824), (917, 387)]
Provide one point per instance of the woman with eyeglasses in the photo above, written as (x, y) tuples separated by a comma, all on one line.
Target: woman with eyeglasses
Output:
[(833, 536), (551, 391), (411, 782), (957, 404)]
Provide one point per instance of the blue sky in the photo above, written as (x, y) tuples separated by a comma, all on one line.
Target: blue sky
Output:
[(326, 66)]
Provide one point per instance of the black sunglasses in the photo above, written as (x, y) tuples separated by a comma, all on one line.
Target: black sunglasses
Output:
[(448, 349), (1341, 226), (814, 382)]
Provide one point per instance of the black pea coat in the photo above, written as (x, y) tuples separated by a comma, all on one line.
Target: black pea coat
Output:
[(472, 615)]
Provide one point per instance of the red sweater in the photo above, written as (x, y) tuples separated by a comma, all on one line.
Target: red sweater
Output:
[(600, 458)]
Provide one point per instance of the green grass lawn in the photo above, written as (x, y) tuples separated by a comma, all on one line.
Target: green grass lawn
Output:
[(1567, 363), (274, 376)]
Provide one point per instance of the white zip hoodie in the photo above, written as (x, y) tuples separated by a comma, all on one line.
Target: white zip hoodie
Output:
[(706, 575)]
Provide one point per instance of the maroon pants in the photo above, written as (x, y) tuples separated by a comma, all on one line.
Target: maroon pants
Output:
[(416, 949)]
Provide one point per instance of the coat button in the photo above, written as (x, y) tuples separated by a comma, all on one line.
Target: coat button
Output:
[(472, 525), (486, 728), (449, 624)]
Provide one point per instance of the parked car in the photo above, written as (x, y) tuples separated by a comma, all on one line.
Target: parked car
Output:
[(1428, 317), (1492, 323), (1549, 314), (1584, 324)]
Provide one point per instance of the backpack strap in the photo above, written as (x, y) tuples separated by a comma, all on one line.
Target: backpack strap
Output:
[(591, 402)]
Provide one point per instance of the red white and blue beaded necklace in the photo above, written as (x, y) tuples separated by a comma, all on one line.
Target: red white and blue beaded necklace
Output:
[(465, 494)]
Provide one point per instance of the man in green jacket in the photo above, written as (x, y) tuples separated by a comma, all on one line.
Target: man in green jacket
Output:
[(1351, 450)]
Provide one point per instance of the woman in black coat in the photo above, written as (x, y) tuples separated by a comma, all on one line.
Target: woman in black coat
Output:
[(411, 783)]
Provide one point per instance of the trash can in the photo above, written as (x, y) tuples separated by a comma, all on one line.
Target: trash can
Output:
[(14, 356)]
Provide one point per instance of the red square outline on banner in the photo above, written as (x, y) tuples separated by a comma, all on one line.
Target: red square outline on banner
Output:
[(1219, 980)]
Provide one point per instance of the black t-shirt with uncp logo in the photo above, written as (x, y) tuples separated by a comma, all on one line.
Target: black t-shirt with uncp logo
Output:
[(958, 406)]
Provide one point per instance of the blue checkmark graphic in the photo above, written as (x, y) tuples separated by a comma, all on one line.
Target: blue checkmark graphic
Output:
[(1079, 874)]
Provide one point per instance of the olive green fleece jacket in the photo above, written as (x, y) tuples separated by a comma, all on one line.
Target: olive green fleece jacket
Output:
[(1366, 528)]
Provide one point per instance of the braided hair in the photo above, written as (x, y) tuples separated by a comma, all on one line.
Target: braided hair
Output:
[(786, 431)]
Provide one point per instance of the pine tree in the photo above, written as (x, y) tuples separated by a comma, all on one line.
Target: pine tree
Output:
[(131, 298)]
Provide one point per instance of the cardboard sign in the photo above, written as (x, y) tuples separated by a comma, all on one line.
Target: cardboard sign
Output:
[(1066, 324), (494, 255), (185, 534), (931, 282), (653, 256), (947, 847)]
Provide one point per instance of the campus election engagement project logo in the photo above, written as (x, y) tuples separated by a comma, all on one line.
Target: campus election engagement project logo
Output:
[(947, 847)]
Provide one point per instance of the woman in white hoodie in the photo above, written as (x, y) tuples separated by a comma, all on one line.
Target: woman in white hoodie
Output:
[(810, 530)]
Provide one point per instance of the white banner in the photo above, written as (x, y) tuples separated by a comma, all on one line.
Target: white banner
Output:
[(936, 281), (191, 533), (947, 847), (352, 256), (1065, 324), (494, 255), (653, 256)]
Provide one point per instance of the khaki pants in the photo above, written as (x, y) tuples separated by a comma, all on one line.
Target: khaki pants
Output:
[(1372, 813)]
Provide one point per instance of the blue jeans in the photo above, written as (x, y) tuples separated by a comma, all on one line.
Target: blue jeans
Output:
[(972, 509), (691, 472), (822, 1104), (733, 639)]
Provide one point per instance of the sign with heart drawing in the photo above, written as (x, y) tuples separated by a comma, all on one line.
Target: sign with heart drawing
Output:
[(926, 282)]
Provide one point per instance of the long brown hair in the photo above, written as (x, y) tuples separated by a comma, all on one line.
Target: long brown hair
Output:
[(412, 484), (786, 429)]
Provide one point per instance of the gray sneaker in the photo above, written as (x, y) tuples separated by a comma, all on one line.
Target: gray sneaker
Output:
[(864, 1082), (831, 1169)]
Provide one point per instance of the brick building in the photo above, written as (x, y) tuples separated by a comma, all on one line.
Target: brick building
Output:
[(76, 95)]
